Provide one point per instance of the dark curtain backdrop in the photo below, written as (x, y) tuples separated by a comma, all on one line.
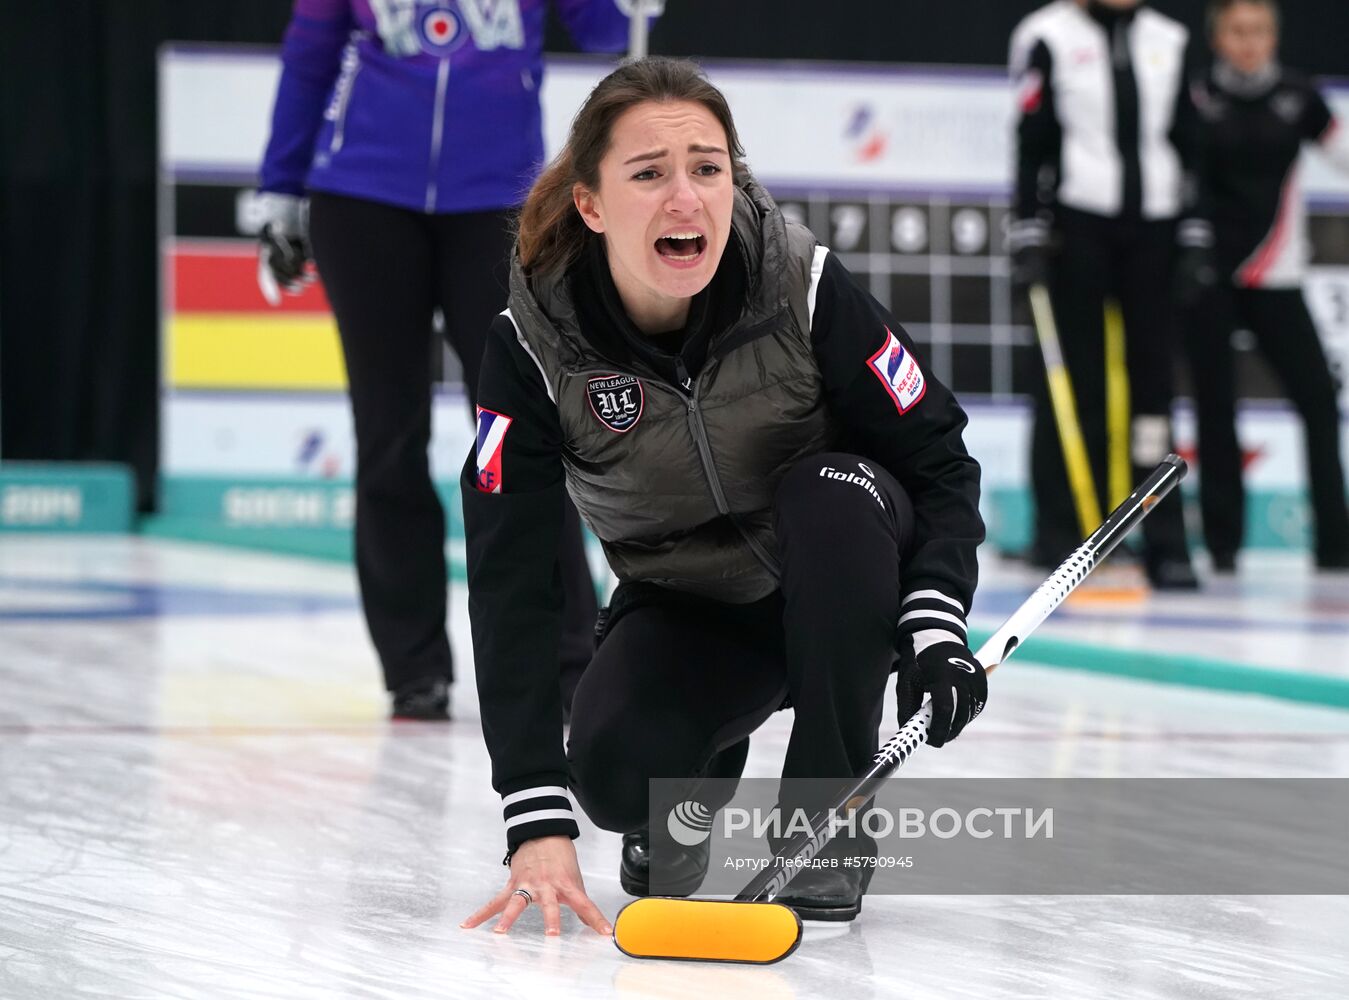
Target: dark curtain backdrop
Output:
[(79, 339), (78, 288)]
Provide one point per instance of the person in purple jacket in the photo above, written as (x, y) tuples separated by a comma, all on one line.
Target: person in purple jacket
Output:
[(409, 130)]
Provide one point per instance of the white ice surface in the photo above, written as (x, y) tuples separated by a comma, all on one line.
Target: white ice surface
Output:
[(208, 803)]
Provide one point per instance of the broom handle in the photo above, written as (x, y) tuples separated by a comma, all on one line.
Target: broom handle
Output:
[(639, 28), (1080, 479)]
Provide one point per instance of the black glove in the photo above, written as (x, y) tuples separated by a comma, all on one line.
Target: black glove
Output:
[(1196, 268), (1196, 274), (283, 247), (958, 685), (1028, 245)]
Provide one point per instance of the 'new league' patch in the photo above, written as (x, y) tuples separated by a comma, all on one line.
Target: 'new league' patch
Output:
[(617, 401), (898, 372)]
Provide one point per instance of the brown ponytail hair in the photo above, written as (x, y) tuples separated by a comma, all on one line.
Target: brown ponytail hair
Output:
[(550, 233)]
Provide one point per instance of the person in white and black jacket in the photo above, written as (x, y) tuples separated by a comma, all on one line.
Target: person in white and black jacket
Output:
[(778, 483), (1257, 116), (1104, 134)]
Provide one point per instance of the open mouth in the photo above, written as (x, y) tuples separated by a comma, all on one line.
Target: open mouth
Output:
[(682, 246)]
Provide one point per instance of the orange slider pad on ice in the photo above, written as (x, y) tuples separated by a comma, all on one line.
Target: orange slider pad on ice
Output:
[(707, 930)]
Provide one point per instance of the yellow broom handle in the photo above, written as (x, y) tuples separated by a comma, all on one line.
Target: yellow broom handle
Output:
[(1080, 479), (1117, 405)]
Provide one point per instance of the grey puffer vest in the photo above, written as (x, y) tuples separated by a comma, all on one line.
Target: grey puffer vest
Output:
[(680, 489)]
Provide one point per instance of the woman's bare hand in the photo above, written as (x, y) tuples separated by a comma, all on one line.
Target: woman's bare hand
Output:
[(547, 870)]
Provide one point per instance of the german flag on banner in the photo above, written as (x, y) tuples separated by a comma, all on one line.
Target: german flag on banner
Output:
[(221, 334)]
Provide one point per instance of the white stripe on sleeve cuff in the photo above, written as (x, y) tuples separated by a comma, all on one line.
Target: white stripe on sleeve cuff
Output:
[(539, 814), (534, 793)]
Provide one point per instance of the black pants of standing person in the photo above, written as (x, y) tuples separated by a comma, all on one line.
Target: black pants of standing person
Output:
[(679, 682), (1131, 261), (1287, 338), (385, 270)]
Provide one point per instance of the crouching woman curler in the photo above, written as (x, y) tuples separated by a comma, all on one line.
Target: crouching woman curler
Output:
[(778, 482)]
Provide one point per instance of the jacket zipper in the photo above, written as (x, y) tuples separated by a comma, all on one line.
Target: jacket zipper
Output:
[(699, 430), (351, 68), (728, 343), (437, 131)]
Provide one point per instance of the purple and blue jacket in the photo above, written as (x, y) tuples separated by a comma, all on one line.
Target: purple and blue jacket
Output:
[(431, 105)]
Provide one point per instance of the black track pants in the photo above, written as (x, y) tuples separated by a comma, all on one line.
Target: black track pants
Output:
[(1287, 338), (1132, 262), (679, 683), (385, 270)]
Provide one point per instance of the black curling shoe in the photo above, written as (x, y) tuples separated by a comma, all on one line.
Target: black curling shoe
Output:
[(827, 893), (422, 701), (687, 866), (1334, 561), (1171, 574)]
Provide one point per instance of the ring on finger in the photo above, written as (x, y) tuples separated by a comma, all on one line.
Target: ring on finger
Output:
[(524, 892)]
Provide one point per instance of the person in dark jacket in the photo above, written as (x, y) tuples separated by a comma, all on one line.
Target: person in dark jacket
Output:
[(1105, 136), (1257, 115), (779, 484), (414, 128)]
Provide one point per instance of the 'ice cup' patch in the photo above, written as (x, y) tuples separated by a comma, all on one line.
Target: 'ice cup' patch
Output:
[(898, 372)]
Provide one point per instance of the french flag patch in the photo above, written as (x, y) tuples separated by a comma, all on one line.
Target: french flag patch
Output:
[(898, 372), (492, 428)]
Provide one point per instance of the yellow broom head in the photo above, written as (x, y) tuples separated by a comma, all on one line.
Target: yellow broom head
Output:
[(707, 930)]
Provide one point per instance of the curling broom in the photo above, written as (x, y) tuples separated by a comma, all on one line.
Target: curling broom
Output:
[(752, 928)]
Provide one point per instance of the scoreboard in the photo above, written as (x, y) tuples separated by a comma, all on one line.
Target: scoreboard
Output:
[(937, 263)]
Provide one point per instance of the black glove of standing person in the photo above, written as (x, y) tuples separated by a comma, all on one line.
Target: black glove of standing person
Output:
[(958, 685), (283, 245), (1028, 245), (1196, 273), (1196, 268)]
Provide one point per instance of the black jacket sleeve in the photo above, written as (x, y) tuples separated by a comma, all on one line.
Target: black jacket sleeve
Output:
[(898, 414), (1320, 125), (512, 488), (1189, 136), (1039, 135)]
